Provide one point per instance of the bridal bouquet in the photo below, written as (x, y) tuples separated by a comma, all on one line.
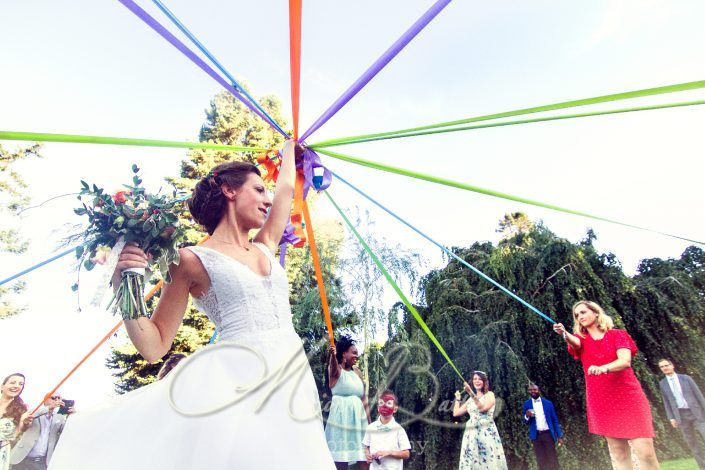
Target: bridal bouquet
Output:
[(130, 216)]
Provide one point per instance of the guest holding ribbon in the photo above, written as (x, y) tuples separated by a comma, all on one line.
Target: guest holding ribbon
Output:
[(616, 405), (349, 412), (482, 447), (14, 417), (35, 447)]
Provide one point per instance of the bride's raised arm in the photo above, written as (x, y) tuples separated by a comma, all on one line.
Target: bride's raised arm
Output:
[(271, 232)]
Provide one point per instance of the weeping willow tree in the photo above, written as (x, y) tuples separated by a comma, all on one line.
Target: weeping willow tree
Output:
[(481, 328)]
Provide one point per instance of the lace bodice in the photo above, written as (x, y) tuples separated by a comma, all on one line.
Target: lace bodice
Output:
[(241, 302)]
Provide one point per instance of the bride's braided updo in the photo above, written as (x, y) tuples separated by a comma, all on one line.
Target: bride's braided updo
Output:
[(207, 204)]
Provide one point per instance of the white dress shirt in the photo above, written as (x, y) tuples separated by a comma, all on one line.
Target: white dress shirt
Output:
[(541, 423), (42, 445), (677, 391)]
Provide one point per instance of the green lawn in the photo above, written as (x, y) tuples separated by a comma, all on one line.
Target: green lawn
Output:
[(680, 464)]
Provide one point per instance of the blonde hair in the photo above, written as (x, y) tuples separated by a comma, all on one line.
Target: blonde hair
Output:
[(604, 321)]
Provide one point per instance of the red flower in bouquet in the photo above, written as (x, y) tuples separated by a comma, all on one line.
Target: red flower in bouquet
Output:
[(119, 197), (151, 221)]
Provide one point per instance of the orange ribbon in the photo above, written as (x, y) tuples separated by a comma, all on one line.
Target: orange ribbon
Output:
[(149, 295), (319, 275), (295, 59), (271, 167), (297, 210)]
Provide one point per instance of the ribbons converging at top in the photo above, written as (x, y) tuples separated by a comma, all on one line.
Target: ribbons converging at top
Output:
[(378, 65), (174, 41)]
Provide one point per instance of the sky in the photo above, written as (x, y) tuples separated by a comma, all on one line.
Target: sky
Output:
[(93, 68)]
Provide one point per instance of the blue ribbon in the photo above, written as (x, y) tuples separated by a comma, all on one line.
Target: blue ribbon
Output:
[(450, 253), (217, 63), (174, 41), (38, 265), (214, 337)]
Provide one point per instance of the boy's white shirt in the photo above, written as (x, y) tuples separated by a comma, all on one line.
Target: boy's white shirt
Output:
[(390, 436)]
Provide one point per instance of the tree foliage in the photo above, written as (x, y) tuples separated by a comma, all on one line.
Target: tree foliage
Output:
[(229, 122), (483, 329), (13, 198)]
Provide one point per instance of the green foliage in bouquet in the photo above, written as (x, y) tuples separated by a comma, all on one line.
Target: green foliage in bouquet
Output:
[(149, 220)]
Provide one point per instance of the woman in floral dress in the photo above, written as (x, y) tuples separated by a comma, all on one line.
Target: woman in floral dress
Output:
[(482, 448), (14, 417)]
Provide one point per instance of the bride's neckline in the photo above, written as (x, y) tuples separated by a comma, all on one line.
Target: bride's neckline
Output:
[(243, 264)]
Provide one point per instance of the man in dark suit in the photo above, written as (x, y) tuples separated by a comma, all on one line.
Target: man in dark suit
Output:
[(685, 407), (544, 429)]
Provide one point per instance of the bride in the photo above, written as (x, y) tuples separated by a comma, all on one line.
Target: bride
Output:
[(250, 401)]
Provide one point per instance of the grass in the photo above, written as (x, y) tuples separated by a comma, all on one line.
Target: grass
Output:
[(680, 464)]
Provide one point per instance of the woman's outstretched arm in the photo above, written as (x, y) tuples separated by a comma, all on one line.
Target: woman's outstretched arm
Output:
[(273, 228)]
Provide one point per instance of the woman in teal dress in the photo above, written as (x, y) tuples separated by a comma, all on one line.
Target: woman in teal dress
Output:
[(14, 417), (482, 448), (349, 413)]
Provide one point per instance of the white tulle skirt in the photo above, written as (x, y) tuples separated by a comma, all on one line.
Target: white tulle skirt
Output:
[(249, 404)]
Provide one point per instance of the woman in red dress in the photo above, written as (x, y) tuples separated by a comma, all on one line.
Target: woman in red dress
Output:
[(616, 405)]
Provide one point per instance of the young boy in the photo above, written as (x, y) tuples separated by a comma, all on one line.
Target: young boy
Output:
[(386, 443)]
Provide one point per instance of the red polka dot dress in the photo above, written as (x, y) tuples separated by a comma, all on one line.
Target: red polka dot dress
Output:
[(616, 404)]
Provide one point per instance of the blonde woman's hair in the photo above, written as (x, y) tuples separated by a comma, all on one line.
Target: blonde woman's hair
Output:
[(604, 321)]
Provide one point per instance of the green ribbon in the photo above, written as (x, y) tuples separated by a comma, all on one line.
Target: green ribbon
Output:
[(488, 192), (329, 143), (396, 287), (537, 109), (92, 139)]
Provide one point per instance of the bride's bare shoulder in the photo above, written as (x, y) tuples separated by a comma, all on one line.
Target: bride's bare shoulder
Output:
[(189, 265)]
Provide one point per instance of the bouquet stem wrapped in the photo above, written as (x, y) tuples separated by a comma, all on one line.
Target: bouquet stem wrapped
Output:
[(129, 296)]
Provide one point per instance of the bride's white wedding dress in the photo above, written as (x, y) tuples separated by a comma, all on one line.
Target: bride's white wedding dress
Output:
[(248, 402)]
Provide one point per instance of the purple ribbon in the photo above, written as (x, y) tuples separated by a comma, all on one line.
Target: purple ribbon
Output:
[(378, 65), (288, 238), (310, 163), (163, 32)]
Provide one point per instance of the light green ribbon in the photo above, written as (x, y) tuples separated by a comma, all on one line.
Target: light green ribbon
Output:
[(396, 287), (92, 139), (334, 143), (488, 192), (537, 109)]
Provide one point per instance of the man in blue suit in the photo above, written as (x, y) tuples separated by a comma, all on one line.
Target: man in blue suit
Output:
[(544, 429)]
